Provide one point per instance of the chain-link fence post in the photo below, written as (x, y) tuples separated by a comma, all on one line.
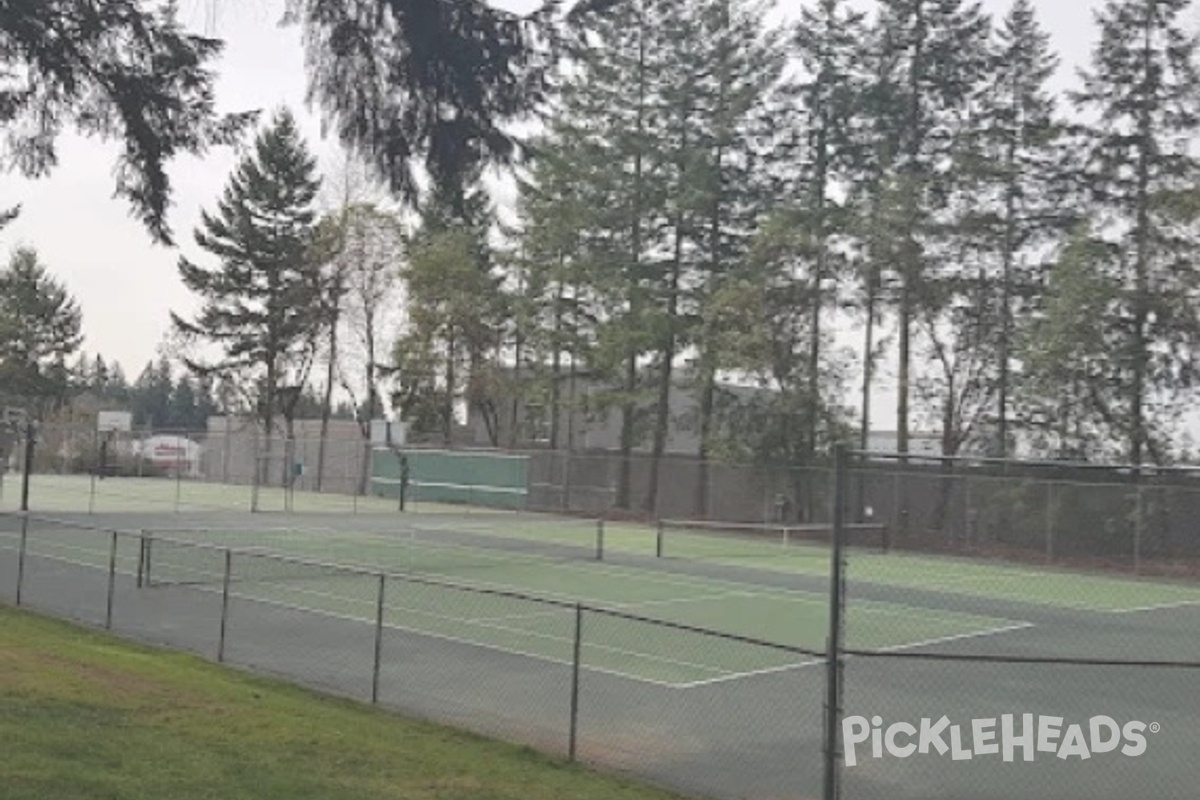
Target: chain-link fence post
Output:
[(573, 735), (141, 565), (21, 551), (255, 469), (1139, 520), (112, 581), (225, 580), (92, 482), (599, 540), (378, 652), (833, 695), (1049, 521), (179, 455)]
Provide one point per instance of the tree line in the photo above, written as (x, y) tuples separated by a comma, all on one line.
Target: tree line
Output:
[(711, 201)]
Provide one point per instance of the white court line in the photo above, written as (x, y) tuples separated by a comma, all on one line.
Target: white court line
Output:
[(458, 640), (742, 589), (892, 649), (643, 574), (504, 628), (626, 606), (542, 657), (737, 676), (1157, 607), (957, 637)]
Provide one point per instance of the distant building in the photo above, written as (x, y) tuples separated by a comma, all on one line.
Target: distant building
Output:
[(589, 420)]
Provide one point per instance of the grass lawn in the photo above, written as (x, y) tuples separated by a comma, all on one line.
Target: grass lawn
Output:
[(85, 716)]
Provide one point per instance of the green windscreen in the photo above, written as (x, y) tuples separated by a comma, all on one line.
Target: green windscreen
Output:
[(453, 476)]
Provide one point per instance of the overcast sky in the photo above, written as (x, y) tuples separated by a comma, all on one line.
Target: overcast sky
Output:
[(126, 286)]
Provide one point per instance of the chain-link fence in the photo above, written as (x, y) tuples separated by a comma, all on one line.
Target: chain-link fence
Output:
[(643, 695), (1053, 671), (947, 628)]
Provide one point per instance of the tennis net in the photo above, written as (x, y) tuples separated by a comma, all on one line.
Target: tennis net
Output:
[(196, 555), (709, 540)]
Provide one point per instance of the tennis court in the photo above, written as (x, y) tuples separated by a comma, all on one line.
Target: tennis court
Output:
[(701, 647), (508, 618), (52, 493)]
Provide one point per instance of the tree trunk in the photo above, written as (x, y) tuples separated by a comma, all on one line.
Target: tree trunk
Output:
[(448, 400), (327, 401)]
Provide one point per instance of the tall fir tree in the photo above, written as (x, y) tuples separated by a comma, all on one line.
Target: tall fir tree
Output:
[(40, 328), (259, 298), (1139, 94), (1017, 205), (112, 70), (935, 53), (447, 351)]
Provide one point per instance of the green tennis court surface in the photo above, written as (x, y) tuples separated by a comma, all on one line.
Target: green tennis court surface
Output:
[(1045, 586), (615, 644), (1027, 584), (79, 493)]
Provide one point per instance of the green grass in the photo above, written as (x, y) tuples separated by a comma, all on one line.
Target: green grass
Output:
[(86, 717)]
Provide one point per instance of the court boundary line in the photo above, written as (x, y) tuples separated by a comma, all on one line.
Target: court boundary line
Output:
[(676, 685), (750, 590), (644, 574), (490, 624), (890, 649), (1155, 607)]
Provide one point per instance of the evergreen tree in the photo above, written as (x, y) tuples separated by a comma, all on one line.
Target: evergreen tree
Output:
[(448, 350), (114, 70), (735, 182), (1015, 203), (812, 233), (555, 308), (39, 330), (935, 56), (404, 79), (610, 122), (117, 393), (150, 396), (260, 296), (1140, 93)]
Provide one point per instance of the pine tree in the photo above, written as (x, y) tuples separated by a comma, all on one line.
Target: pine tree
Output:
[(1016, 203), (447, 351), (935, 55), (612, 113), (39, 330), (436, 79), (112, 70), (735, 184), (555, 310), (1140, 92), (258, 299), (150, 396), (827, 41)]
